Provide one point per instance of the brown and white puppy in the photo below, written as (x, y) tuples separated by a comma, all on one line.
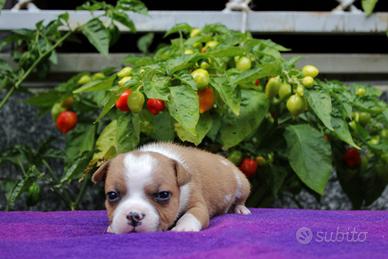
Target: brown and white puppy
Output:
[(164, 185)]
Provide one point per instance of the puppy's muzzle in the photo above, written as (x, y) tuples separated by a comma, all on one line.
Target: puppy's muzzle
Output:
[(135, 218)]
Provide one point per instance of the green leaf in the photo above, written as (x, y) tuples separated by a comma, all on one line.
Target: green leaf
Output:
[(2, 2), (225, 52), (385, 115), (181, 27), (184, 107), (230, 95), (124, 20), (138, 60), (4, 65), (266, 70), (364, 186), (98, 35), (45, 99), (273, 45), (69, 86), (216, 126), (106, 143), (64, 17), (79, 142), (136, 6), (234, 129), (128, 133), (76, 169), (22, 185), (368, 6), (97, 85), (278, 176), (157, 88), (114, 34), (53, 57), (181, 62), (216, 28), (203, 127), (341, 130), (94, 6), (373, 185), (145, 42), (352, 185), (186, 79), (309, 155), (109, 103), (291, 63), (162, 127), (320, 103)]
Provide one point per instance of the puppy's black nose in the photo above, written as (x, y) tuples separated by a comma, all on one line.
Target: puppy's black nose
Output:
[(135, 218)]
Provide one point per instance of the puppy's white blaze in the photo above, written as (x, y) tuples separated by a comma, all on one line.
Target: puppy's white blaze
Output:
[(138, 170), (168, 152), (188, 222), (138, 173), (239, 185)]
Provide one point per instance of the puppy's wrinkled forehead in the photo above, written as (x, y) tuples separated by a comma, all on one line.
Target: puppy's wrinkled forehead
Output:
[(139, 168)]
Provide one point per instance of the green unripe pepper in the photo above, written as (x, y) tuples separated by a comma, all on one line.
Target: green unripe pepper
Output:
[(284, 91), (136, 101), (272, 87), (56, 110), (98, 76), (126, 71), (33, 194), (295, 104), (84, 79)]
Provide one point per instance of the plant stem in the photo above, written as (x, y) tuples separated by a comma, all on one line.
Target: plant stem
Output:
[(50, 170), (31, 68), (64, 198), (64, 195), (21, 167), (80, 194), (6, 97)]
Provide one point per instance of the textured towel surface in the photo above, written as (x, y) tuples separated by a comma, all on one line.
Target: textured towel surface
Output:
[(267, 233)]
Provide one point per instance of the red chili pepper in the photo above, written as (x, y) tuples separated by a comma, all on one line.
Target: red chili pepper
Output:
[(155, 106)]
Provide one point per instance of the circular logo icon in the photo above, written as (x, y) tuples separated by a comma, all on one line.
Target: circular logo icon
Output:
[(304, 235)]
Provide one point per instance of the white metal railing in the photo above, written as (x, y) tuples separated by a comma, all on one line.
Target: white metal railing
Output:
[(231, 5), (268, 22), (346, 5)]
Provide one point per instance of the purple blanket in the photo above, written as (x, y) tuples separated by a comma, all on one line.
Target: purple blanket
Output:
[(267, 233)]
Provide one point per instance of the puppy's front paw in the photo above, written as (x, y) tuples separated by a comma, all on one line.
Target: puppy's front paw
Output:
[(109, 230), (187, 223), (241, 209), (184, 228)]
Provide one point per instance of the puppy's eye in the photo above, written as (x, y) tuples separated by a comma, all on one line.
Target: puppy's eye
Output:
[(113, 196), (162, 196)]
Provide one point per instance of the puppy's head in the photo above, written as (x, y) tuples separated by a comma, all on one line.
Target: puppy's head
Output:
[(143, 191)]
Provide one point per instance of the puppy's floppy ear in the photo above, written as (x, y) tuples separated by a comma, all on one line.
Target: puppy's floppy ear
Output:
[(182, 175), (100, 174)]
